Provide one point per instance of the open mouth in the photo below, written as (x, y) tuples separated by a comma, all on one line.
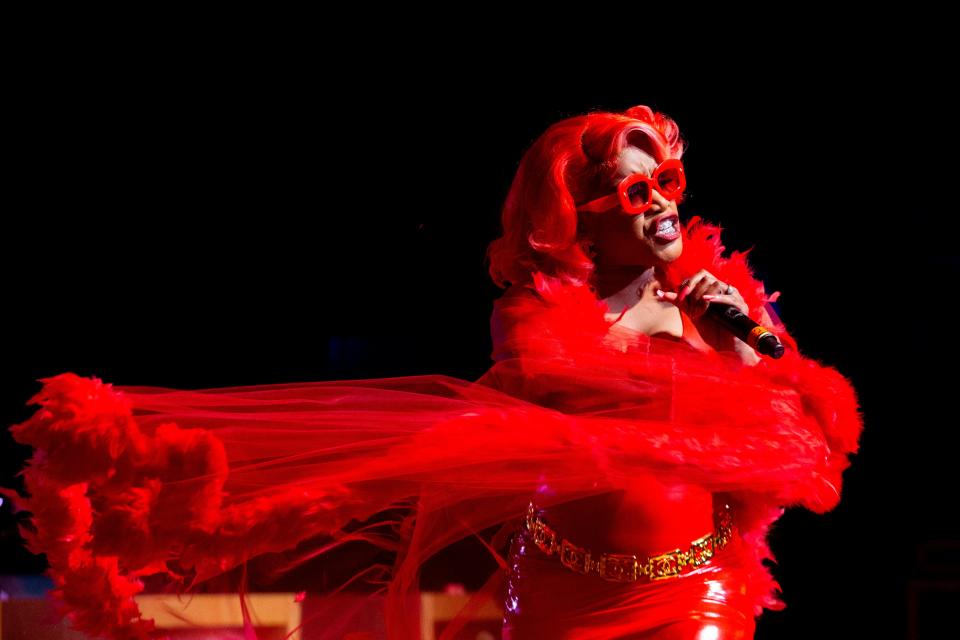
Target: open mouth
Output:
[(666, 228)]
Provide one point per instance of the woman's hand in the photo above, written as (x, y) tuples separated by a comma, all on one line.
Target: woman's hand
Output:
[(695, 295)]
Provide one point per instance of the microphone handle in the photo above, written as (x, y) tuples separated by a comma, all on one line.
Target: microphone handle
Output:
[(742, 326)]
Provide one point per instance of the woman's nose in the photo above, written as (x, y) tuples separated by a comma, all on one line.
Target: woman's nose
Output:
[(658, 202)]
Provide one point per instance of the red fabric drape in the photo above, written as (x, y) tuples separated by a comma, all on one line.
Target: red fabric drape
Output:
[(127, 482)]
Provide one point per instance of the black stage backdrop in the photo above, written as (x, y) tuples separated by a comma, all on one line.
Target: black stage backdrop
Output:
[(224, 221)]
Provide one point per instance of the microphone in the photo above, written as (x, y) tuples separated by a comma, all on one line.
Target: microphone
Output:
[(742, 326)]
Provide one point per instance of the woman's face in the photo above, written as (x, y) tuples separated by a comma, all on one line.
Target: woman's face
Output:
[(622, 240)]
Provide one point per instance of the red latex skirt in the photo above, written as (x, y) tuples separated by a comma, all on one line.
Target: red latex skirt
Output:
[(715, 601)]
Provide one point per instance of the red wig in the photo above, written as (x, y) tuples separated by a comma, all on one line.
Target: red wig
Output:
[(574, 161)]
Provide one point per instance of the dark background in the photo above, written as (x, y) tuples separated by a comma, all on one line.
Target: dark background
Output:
[(221, 219)]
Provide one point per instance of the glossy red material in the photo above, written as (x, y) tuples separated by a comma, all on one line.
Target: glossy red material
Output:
[(627, 441)]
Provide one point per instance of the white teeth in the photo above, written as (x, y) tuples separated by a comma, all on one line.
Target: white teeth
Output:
[(665, 225)]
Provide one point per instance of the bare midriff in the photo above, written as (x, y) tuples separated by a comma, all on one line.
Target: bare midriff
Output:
[(648, 517)]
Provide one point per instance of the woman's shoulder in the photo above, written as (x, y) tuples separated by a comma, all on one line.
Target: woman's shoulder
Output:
[(545, 310)]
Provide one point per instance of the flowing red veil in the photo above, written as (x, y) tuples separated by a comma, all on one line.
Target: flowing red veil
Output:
[(129, 483)]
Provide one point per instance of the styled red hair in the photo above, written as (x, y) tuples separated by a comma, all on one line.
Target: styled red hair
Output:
[(573, 162)]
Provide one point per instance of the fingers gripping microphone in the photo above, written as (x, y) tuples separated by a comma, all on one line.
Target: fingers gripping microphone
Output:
[(742, 326)]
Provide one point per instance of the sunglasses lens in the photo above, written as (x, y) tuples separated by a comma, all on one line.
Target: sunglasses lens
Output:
[(670, 182), (639, 194)]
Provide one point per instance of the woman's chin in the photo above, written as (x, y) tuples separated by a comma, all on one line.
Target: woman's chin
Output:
[(670, 251)]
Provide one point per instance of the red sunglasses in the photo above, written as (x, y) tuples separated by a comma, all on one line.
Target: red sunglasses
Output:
[(635, 193)]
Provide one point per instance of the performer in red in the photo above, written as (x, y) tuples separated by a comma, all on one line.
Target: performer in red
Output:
[(627, 452)]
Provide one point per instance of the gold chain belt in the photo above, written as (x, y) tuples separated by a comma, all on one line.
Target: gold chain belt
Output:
[(618, 567)]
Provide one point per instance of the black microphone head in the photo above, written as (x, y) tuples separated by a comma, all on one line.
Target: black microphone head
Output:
[(770, 345)]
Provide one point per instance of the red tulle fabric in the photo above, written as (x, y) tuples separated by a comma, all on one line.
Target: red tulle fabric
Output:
[(184, 486)]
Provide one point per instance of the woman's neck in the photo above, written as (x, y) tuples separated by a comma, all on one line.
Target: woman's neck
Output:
[(630, 297), (622, 282)]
